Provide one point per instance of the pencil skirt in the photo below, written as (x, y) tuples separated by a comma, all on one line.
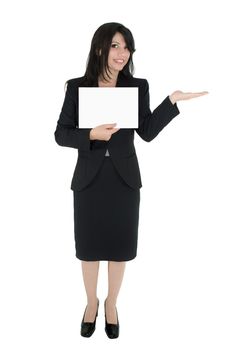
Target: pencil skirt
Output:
[(106, 217)]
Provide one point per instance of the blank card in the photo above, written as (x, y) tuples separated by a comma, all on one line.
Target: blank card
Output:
[(104, 105)]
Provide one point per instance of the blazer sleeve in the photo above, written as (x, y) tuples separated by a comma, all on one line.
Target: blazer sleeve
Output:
[(67, 132), (151, 123)]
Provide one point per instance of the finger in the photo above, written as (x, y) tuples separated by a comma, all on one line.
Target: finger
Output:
[(110, 125), (200, 93), (195, 94)]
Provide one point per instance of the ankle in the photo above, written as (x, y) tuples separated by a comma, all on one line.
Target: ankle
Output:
[(110, 302), (92, 302)]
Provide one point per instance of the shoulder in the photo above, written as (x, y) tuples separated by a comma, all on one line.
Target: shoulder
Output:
[(136, 81), (143, 86), (141, 83), (73, 83)]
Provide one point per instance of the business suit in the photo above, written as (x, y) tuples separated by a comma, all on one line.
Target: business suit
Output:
[(94, 172), (121, 144)]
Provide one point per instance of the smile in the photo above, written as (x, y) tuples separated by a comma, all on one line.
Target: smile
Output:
[(119, 61)]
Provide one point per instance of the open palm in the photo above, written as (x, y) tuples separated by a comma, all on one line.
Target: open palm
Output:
[(180, 95)]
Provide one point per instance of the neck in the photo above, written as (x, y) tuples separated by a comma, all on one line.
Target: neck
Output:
[(112, 80)]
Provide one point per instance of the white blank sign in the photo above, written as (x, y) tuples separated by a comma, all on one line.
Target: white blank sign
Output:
[(104, 105)]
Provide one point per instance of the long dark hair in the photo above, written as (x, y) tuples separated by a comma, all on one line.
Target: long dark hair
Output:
[(98, 64)]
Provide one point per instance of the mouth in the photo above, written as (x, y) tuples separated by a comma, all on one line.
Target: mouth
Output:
[(119, 61)]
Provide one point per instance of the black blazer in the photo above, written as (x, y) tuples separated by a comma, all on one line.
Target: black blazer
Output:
[(121, 148)]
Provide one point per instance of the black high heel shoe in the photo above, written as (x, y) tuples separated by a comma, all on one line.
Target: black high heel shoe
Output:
[(112, 330), (88, 328)]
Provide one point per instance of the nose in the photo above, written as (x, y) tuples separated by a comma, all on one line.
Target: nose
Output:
[(122, 53)]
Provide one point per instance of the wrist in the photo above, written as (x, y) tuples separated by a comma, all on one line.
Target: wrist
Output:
[(91, 135), (172, 99)]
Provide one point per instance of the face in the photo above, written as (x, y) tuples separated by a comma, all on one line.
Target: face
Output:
[(118, 54)]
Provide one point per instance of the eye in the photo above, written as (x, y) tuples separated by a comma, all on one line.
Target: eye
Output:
[(114, 45)]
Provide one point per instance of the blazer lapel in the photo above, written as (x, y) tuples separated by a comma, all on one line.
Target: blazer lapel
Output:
[(122, 81)]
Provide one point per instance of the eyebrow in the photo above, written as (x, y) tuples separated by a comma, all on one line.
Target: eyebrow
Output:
[(115, 42)]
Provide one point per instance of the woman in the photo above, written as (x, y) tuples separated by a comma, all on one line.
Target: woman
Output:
[(106, 182)]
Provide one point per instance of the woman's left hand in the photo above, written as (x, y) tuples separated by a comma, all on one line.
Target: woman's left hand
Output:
[(180, 96)]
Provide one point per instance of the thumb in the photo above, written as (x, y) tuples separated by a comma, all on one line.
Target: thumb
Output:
[(114, 130), (110, 125)]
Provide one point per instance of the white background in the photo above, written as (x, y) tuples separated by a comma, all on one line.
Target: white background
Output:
[(177, 293)]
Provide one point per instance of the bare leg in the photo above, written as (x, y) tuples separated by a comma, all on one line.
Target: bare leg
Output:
[(90, 271), (115, 276)]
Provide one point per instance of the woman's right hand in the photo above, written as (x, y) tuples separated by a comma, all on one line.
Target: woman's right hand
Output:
[(103, 132)]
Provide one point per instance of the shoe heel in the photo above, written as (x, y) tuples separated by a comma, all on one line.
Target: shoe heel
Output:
[(88, 328), (112, 330)]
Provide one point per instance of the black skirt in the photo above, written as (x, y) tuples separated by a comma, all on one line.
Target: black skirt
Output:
[(106, 217)]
